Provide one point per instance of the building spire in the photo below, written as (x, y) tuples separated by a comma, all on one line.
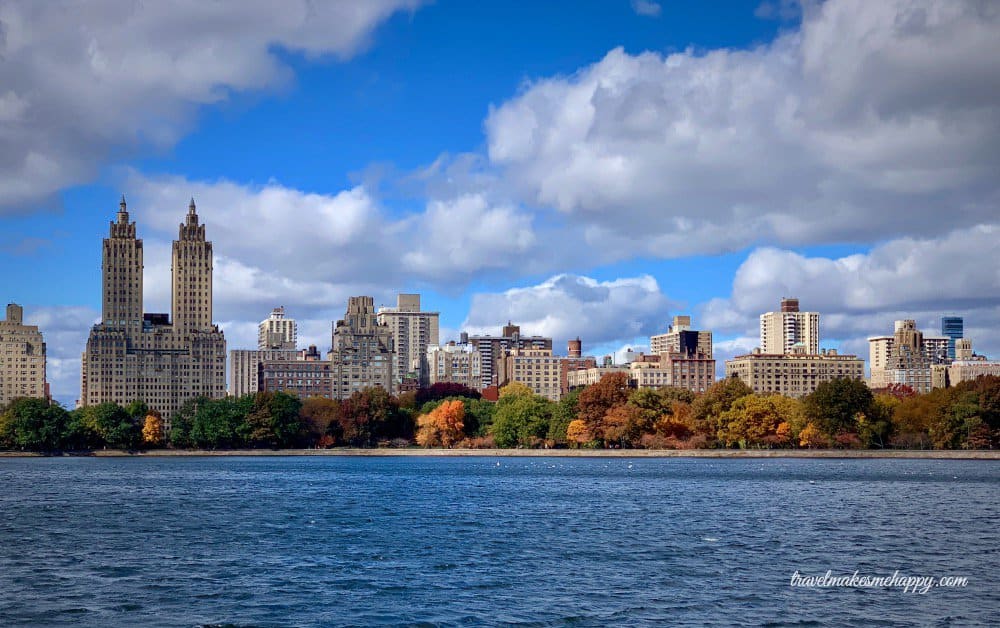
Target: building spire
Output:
[(122, 212), (191, 208), (192, 215)]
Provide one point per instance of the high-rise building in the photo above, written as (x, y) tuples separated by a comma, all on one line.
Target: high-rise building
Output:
[(135, 356), (22, 361), (680, 338), (456, 364), (413, 331), (538, 369), (493, 348), (906, 357), (780, 331), (277, 331), (362, 355), (952, 327)]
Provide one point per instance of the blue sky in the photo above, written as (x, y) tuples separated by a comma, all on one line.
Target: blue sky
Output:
[(582, 168)]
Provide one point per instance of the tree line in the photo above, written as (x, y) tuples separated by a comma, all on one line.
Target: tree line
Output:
[(609, 414)]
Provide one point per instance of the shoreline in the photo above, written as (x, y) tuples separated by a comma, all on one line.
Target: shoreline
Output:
[(534, 453)]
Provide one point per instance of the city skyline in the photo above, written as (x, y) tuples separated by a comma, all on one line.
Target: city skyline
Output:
[(593, 176)]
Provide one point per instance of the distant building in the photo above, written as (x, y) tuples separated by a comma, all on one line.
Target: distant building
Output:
[(134, 356), (306, 376), (362, 355), (277, 332), (536, 368), (493, 348), (780, 331), (906, 357), (966, 367), (588, 376), (413, 332), (795, 374), (244, 367), (456, 364), (22, 363), (680, 338), (952, 327)]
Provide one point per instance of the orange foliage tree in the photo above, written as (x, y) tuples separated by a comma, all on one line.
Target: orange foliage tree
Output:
[(442, 426), (812, 437), (597, 399), (577, 432), (152, 429)]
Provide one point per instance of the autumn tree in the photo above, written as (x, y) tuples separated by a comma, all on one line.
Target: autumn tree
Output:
[(443, 426), (577, 433), (442, 390), (320, 420), (834, 406), (718, 399), (754, 421), (372, 414), (812, 437), (597, 399), (152, 429), (623, 425), (516, 389)]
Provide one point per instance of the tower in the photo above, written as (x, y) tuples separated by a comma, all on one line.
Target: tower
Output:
[(779, 331), (191, 269), (953, 328), (121, 266)]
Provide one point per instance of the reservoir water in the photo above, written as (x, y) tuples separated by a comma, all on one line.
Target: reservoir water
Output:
[(492, 541)]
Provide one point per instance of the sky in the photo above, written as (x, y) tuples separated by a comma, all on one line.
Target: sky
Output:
[(580, 168)]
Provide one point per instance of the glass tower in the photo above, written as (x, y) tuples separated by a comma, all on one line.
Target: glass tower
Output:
[(952, 326)]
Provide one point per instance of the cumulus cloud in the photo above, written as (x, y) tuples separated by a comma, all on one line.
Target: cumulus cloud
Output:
[(80, 84), (873, 120), (566, 306), (65, 330), (861, 295)]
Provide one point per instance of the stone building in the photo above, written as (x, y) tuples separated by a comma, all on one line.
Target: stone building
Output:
[(413, 331), (22, 358), (536, 368), (493, 348), (244, 367), (363, 354), (456, 364), (278, 332), (135, 356), (906, 357), (795, 374), (308, 375)]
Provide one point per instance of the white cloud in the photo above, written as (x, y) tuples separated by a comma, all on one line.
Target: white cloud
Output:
[(84, 83), (567, 306), (65, 330), (646, 8), (873, 120)]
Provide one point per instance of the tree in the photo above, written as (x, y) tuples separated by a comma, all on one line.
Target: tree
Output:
[(521, 420), (597, 399), (834, 406), (754, 421), (516, 389), (33, 424), (443, 426), (812, 437), (563, 414), (623, 425), (442, 390), (320, 420), (577, 433), (718, 399), (372, 414), (113, 425), (152, 429)]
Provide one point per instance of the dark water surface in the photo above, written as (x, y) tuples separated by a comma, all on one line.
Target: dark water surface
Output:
[(362, 541)]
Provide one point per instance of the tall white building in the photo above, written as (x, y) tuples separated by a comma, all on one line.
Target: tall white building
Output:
[(455, 363), (413, 331), (680, 338), (277, 331), (780, 331)]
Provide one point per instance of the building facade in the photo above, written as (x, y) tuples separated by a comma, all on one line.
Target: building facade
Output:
[(22, 358), (493, 348), (413, 331), (277, 331), (536, 368), (308, 375), (794, 374), (135, 356), (680, 338), (456, 364), (362, 355), (580, 378), (782, 330), (906, 357), (244, 368)]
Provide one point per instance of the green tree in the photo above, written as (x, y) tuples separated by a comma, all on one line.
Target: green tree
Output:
[(521, 420), (717, 400), (563, 414), (113, 425), (835, 405), (33, 424)]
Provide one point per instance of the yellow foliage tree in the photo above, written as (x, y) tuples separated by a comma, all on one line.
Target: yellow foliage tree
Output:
[(442, 426), (516, 389), (152, 429), (811, 437), (577, 432)]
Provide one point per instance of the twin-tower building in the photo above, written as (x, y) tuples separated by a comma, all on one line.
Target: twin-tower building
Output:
[(162, 359)]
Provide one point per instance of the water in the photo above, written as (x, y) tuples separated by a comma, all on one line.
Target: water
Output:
[(363, 541)]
